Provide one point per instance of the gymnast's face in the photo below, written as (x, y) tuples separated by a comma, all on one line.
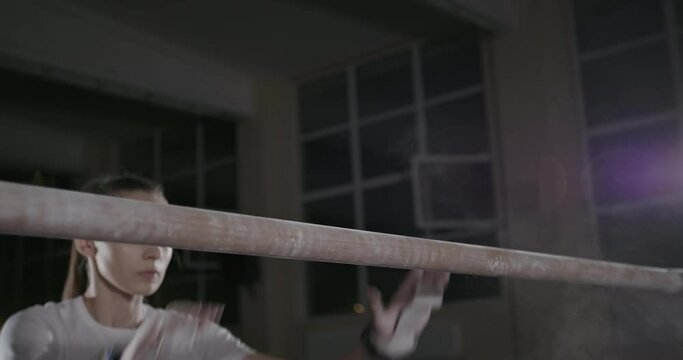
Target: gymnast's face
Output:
[(131, 269)]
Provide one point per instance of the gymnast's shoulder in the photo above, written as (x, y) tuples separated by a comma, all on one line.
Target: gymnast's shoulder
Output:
[(35, 330), (49, 314)]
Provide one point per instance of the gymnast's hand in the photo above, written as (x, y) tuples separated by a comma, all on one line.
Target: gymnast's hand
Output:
[(396, 327)]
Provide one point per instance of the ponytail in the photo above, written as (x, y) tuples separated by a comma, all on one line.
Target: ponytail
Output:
[(76, 278)]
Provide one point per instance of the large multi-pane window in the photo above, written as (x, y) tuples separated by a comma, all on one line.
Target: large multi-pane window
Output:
[(398, 144), (630, 72)]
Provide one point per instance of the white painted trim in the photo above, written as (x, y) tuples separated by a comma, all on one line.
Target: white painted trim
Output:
[(386, 115), (641, 204), (457, 234), (356, 157), (484, 225), (454, 159), (492, 15), (455, 95), (631, 124), (157, 135), (622, 47), (223, 161), (423, 219), (385, 180), (317, 134), (674, 44), (357, 171), (330, 192), (422, 136), (586, 174)]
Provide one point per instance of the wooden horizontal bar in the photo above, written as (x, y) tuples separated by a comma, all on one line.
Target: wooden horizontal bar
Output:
[(44, 212)]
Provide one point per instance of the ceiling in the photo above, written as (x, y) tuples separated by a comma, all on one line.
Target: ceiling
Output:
[(290, 38)]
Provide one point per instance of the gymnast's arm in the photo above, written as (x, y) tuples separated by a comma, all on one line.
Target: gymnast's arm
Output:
[(27, 336), (393, 335), (385, 323)]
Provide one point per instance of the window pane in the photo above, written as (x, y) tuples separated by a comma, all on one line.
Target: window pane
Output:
[(221, 188), (137, 156), (459, 236), (182, 191), (336, 211), (33, 292), (7, 246), (34, 248), (452, 191), (450, 65), (389, 209), (388, 146), (57, 265), (465, 287), (327, 161), (608, 22), (628, 85), (219, 139), (387, 280), (323, 103), (385, 84), (648, 236), (460, 287), (636, 164), (332, 288), (458, 127), (221, 290), (183, 287), (178, 149)]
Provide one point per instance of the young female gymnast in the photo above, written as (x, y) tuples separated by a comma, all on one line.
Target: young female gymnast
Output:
[(103, 314)]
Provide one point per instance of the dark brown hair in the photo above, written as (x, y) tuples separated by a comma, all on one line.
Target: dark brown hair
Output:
[(77, 277)]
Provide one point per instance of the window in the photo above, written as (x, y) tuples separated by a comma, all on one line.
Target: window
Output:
[(412, 122), (629, 55)]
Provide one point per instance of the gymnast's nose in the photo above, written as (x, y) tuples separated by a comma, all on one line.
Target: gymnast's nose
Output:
[(152, 252)]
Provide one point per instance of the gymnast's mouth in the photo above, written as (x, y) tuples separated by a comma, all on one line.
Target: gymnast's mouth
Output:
[(149, 274)]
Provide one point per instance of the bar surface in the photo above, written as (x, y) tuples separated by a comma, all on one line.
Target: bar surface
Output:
[(44, 212)]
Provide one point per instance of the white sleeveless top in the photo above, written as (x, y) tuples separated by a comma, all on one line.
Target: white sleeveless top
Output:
[(65, 330)]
